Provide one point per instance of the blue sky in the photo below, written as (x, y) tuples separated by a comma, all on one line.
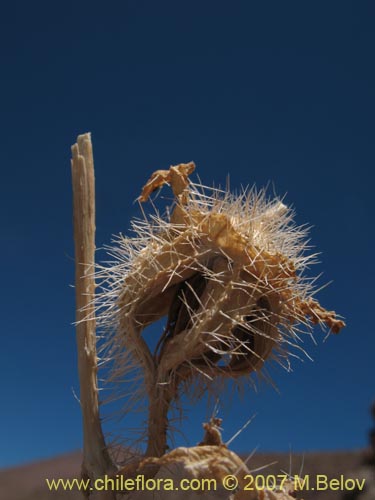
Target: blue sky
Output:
[(265, 91)]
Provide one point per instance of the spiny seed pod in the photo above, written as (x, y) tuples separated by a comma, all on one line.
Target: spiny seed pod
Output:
[(227, 274)]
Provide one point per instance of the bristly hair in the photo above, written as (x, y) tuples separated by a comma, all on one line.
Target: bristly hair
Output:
[(226, 271)]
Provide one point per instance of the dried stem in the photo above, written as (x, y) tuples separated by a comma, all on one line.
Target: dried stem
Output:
[(96, 460), (160, 397)]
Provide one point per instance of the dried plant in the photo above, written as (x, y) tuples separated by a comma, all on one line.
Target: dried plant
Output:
[(228, 274)]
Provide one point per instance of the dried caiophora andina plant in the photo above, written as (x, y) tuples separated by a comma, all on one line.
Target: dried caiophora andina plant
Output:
[(227, 273)]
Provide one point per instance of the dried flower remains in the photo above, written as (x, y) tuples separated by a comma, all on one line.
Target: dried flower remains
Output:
[(227, 273)]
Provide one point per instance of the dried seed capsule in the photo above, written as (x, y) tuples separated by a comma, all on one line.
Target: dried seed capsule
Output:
[(227, 274)]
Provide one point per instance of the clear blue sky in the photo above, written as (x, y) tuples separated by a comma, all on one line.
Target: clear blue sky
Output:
[(266, 91)]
